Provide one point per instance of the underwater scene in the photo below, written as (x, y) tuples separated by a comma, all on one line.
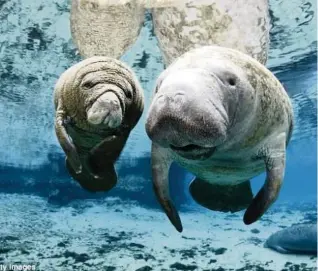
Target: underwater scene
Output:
[(100, 98)]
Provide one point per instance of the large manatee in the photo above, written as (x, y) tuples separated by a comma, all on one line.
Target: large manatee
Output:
[(98, 101), (224, 117)]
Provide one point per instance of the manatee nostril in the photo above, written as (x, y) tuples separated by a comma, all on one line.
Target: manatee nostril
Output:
[(170, 98), (114, 102), (180, 93), (179, 97), (160, 99)]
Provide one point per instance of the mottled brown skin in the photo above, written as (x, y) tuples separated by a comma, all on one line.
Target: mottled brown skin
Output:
[(92, 148), (224, 117), (103, 27)]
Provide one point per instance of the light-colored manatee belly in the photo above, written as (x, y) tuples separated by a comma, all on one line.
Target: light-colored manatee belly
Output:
[(106, 28), (242, 25), (224, 171)]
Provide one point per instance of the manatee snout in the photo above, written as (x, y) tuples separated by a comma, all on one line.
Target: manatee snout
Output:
[(184, 122), (106, 110)]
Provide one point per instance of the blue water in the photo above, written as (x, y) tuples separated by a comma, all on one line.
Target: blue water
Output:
[(35, 48)]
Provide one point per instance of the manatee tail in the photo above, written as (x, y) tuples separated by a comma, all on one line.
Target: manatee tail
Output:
[(223, 198), (105, 181), (160, 174)]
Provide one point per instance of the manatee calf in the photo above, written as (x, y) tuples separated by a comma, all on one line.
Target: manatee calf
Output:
[(98, 101), (297, 239), (224, 117)]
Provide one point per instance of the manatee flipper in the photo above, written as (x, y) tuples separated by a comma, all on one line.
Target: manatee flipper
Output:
[(106, 181), (99, 173), (65, 141), (104, 153), (223, 198), (280, 249), (274, 157), (161, 162)]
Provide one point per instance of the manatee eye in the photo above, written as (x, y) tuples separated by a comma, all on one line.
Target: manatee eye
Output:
[(231, 81), (129, 94), (89, 84)]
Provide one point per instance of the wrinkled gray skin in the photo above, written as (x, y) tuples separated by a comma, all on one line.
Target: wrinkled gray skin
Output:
[(98, 102), (297, 239), (224, 117), (110, 27)]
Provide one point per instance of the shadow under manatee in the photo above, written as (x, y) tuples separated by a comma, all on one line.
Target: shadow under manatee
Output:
[(53, 182), (136, 182)]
